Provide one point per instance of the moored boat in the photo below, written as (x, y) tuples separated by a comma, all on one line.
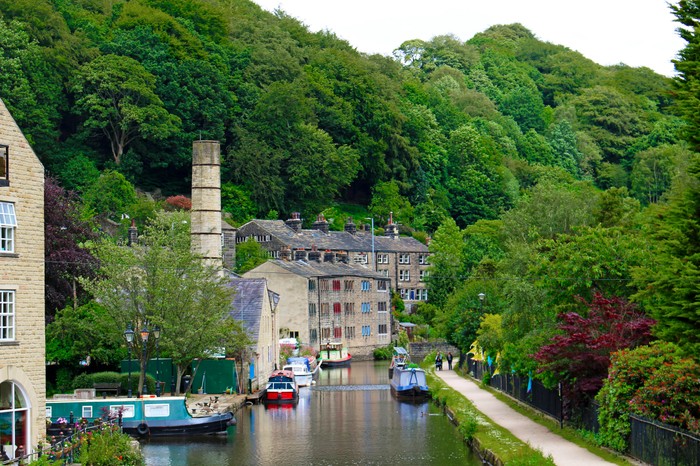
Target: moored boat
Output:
[(304, 368), (399, 359), (281, 388), (335, 355), (408, 383), (140, 417)]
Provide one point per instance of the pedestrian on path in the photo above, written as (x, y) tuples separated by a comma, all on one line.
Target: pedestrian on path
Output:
[(449, 361), (438, 361)]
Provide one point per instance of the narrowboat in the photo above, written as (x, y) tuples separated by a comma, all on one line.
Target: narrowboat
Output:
[(281, 388), (335, 355), (408, 383), (140, 417)]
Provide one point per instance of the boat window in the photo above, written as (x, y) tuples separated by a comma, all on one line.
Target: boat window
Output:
[(49, 412), (157, 410), (127, 410), (87, 412)]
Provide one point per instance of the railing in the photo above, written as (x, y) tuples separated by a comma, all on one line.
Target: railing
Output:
[(660, 444), (65, 446)]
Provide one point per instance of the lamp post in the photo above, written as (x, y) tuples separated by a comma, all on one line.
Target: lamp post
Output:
[(156, 335), (144, 340), (374, 259), (129, 335)]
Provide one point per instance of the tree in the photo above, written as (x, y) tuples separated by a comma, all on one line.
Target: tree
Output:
[(580, 354), (249, 255), (386, 200), (67, 258), (160, 282), (111, 194), (116, 95), (668, 285), (445, 271), (687, 84)]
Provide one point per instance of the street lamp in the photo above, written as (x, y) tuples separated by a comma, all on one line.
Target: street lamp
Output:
[(129, 335), (156, 335), (482, 297), (374, 260), (144, 339)]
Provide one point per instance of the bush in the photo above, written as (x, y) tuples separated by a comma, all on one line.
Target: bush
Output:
[(630, 371), (110, 447), (384, 353)]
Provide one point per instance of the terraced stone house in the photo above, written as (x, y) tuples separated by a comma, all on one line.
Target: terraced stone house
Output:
[(324, 301), (22, 347), (402, 259)]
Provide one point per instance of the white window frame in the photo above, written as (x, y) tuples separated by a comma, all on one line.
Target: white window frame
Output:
[(7, 315), (8, 225), (404, 275), (422, 274), (423, 259), (404, 258), (382, 258)]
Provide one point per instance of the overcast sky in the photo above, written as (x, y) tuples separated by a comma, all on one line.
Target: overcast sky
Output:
[(633, 32)]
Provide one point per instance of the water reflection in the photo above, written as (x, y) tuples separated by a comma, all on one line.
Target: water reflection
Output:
[(348, 418)]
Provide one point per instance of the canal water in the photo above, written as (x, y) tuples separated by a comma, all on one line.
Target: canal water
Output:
[(348, 418)]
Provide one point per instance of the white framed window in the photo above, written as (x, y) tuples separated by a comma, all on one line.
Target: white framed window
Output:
[(8, 225), (7, 315), (423, 259), (382, 329), (402, 291), (381, 306), (87, 412), (404, 258), (404, 275), (422, 294), (422, 275), (382, 258)]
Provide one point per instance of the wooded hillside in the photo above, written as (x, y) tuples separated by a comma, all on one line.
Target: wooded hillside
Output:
[(460, 129)]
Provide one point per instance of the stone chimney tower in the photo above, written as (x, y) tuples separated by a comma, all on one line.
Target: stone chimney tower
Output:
[(321, 224), (391, 229), (206, 202), (350, 226)]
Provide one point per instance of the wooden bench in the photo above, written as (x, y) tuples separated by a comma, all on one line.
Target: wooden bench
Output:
[(104, 388)]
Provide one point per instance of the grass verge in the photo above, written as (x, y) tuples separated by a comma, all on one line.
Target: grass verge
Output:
[(494, 442)]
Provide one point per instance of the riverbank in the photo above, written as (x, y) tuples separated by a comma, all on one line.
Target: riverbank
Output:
[(484, 419), (204, 405)]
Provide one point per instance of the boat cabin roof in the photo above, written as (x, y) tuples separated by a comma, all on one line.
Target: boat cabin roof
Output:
[(400, 351), (282, 373)]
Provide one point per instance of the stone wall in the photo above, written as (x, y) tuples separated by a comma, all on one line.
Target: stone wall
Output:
[(22, 359), (419, 350)]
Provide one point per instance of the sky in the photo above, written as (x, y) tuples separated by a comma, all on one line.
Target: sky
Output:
[(634, 32)]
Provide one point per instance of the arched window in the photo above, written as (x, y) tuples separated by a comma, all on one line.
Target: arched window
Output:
[(14, 419)]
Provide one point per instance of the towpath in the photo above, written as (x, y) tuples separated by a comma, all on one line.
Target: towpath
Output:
[(563, 452)]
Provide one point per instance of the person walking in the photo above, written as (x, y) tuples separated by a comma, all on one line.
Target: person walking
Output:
[(449, 361), (438, 361)]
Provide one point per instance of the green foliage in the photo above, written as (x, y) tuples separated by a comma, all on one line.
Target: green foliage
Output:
[(383, 353), (110, 447), (445, 262), (249, 255), (630, 371), (111, 194)]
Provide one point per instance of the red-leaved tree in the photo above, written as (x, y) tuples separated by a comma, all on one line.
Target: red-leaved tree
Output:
[(64, 231), (580, 355)]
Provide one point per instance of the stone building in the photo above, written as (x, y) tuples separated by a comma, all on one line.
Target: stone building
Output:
[(256, 306), (402, 259), (22, 347), (330, 302)]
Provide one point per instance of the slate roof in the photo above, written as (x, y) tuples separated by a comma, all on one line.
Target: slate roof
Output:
[(312, 269), (336, 240), (247, 303)]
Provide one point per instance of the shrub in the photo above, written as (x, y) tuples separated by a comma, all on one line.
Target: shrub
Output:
[(384, 353), (110, 447), (630, 370)]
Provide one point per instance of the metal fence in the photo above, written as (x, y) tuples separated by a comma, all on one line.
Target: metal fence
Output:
[(663, 445), (530, 392), (651, 442)]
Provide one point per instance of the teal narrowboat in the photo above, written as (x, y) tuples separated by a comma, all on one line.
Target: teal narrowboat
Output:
[(140, 417)]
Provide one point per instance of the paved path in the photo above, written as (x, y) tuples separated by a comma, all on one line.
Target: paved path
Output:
[(563, 452)]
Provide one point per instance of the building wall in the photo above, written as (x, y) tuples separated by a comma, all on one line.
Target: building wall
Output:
[(22, 360), (292, 310), (267, 344)]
